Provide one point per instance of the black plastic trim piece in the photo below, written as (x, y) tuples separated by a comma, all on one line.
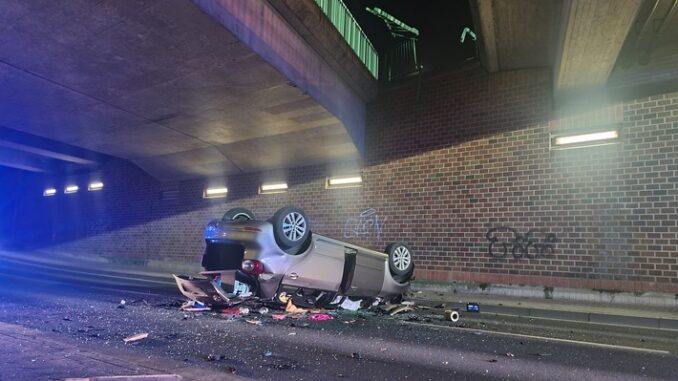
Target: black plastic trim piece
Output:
[(350, 255)]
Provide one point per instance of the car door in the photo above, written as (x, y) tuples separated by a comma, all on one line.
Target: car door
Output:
[(320, 268), (368, 276)]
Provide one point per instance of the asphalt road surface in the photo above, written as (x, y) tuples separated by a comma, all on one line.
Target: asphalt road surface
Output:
[(85, 305)]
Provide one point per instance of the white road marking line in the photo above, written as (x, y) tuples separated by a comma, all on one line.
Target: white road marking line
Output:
[(602, 324), (63, 266), (102, 275), (589, 343)]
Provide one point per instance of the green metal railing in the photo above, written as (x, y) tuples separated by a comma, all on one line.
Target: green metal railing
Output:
[(341, 18)]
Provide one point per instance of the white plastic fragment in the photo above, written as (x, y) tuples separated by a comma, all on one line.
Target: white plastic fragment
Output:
[(400, 309), (137, 337), (350, 305)]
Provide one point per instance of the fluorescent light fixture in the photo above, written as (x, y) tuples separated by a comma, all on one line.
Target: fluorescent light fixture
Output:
[(71, 189), (95, 186), (215, 192), (343, 182), (49, 192), (584, 140), (273, 188)]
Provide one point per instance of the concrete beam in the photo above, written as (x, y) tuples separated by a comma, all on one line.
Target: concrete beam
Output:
[(483, 18), (20, 160), (592, 35), (260, 27), (46, 153)]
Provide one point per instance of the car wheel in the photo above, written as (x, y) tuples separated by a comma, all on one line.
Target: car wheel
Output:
[(237, 215), (400, 261), (291, 228)]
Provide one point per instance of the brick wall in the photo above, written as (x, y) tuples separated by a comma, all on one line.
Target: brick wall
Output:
[(447, 159)]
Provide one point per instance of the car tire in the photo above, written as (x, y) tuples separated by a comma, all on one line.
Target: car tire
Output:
[(291, 228), (238, 215), (400, 261)]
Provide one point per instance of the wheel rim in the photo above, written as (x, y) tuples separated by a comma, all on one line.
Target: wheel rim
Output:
[(402, 258), (294, 226)]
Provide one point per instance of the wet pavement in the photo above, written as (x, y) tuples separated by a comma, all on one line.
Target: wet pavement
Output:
[(86, 310)]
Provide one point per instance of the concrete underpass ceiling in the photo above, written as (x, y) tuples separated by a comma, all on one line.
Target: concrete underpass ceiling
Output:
[(159, 83), (649, 57), (516, 34), (594, 47)]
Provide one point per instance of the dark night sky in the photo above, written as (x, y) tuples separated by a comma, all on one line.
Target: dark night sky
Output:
[(440, 23)]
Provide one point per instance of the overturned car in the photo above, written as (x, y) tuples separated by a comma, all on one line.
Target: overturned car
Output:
[(281, 258)]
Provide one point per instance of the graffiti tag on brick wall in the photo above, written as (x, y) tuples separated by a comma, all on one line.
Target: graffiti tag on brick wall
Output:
[(533, 244), (367, 223)]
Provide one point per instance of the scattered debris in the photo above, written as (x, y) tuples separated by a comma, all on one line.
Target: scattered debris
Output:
[(348, 321), (408, 303), (400, 309), (542, 354), (472, 307), (231, 313), (320, 317), (451, 315), (230, 369), (292, 309), (492, 360), (278, 316), (244, 311), (122, 304), (286, 365), (135, 338), (357, 355), (212, 357), (254, 322), (176, 303), (441, 305), (284, 297), (415, 317), (194, 306), (267, 354), (351, 305), (67, 319), (291, 334), (263, 311), (389, 307), (509, 354)]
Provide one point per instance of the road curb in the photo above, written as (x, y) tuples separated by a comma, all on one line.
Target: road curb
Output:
[(573, 316), (602, 297)]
